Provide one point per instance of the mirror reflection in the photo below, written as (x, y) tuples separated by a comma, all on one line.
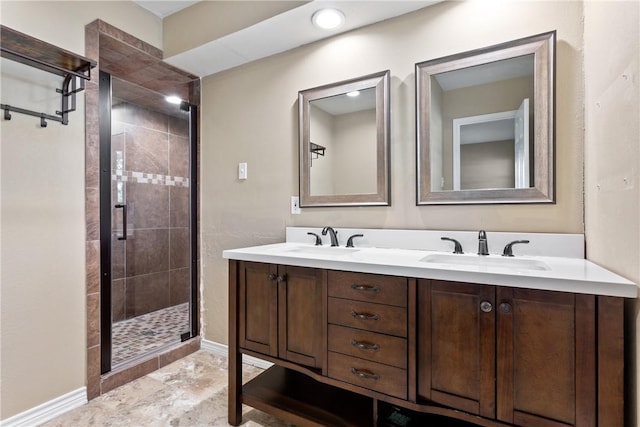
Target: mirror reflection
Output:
[(344, 133), (485, 125), (343, 144), (479, 138)]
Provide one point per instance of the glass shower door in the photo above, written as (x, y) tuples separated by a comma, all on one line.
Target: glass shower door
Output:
[(150, 214)]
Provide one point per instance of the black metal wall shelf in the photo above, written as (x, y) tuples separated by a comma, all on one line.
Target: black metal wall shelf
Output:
[(316, 149), (74, 69)]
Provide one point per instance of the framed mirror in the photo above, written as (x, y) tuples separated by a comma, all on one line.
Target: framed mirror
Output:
[(344, 143), (485, 125)]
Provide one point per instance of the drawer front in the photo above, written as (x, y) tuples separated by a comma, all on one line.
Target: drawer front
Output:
[(364, 373), (368, 345), (368, 287), (371, 317)]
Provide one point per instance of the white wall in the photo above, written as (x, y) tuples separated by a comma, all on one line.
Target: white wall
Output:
[(42, 294), (612, 153)]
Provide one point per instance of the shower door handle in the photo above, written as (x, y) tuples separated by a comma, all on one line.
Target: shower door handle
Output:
[(124, 221)]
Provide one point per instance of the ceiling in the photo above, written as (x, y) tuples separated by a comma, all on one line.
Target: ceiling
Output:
[(165, 8), (279, 33)]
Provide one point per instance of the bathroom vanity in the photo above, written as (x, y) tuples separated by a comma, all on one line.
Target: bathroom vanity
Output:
[(360, 336)]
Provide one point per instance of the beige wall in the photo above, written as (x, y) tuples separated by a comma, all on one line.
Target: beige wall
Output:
[(612, 153), (487, 165), (321, 133), (355, 161), (42, 294)]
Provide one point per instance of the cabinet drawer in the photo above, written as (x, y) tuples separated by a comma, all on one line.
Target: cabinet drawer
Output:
[(368, 287), (371, 317), (368, 345), (364, 373)]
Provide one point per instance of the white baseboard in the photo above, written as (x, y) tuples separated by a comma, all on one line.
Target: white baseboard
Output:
[(223, 350), (48, 410)]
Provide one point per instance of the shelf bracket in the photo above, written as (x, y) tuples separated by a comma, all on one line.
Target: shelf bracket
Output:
[(32, 52)]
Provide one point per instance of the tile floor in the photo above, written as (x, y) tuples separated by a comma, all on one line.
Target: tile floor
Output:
[(189, 392), (141, 335)]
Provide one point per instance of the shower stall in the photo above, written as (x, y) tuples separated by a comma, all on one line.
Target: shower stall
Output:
[(147, 222)]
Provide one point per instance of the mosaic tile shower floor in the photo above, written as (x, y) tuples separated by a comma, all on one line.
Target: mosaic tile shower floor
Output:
[(147, 333)]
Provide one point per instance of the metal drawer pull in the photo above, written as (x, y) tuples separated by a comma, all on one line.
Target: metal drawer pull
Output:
[(366, 288), (368, 375), (365, 345), (364, 316)]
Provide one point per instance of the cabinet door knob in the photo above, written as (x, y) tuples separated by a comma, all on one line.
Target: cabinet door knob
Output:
[(505, 307), (271, 277), (365, 316), (282, 278), (486, 306), (366, 374)]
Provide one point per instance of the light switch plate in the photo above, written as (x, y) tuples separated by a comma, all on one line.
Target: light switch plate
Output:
[(242, 171)]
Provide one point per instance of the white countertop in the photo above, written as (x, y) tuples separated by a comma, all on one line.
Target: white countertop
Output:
[(559, 274)]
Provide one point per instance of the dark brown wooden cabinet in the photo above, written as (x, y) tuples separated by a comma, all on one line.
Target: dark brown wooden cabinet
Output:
[(456, 346), (520, 356), (258, 307), (302, 315), (282, 312), (546, 346), (489, 355)]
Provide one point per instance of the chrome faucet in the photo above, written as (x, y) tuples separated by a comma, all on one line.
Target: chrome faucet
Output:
[(333, 234), (483, 249)]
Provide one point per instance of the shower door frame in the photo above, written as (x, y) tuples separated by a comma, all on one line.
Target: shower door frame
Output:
[(104, 112)]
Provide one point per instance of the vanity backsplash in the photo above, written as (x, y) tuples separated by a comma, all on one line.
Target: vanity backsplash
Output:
[(541, 244)]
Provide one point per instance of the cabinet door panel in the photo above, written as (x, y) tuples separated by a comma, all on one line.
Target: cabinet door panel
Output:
[(456, 346), (258, 306), (539, 369), (302, 315)]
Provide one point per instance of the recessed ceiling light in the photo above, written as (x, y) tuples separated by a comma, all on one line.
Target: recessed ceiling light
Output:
[(328, 19), (353, 93), (173, 99)]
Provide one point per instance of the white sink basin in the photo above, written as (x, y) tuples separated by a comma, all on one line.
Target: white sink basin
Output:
[(487, 261), (322, 250)]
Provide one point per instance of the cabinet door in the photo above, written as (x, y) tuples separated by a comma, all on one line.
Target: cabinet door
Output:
[(456, 345), (546, 364), (258, 307), (302, 315)]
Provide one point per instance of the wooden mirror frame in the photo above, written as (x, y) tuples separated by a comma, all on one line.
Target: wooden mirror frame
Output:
[(382, 197), (542, 46)]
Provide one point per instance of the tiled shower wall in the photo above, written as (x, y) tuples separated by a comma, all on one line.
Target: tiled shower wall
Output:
[(150, 170)]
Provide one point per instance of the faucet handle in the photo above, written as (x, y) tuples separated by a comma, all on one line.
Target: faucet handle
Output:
[(318, 239), (508, 251), (350, 240), (457, 247)]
